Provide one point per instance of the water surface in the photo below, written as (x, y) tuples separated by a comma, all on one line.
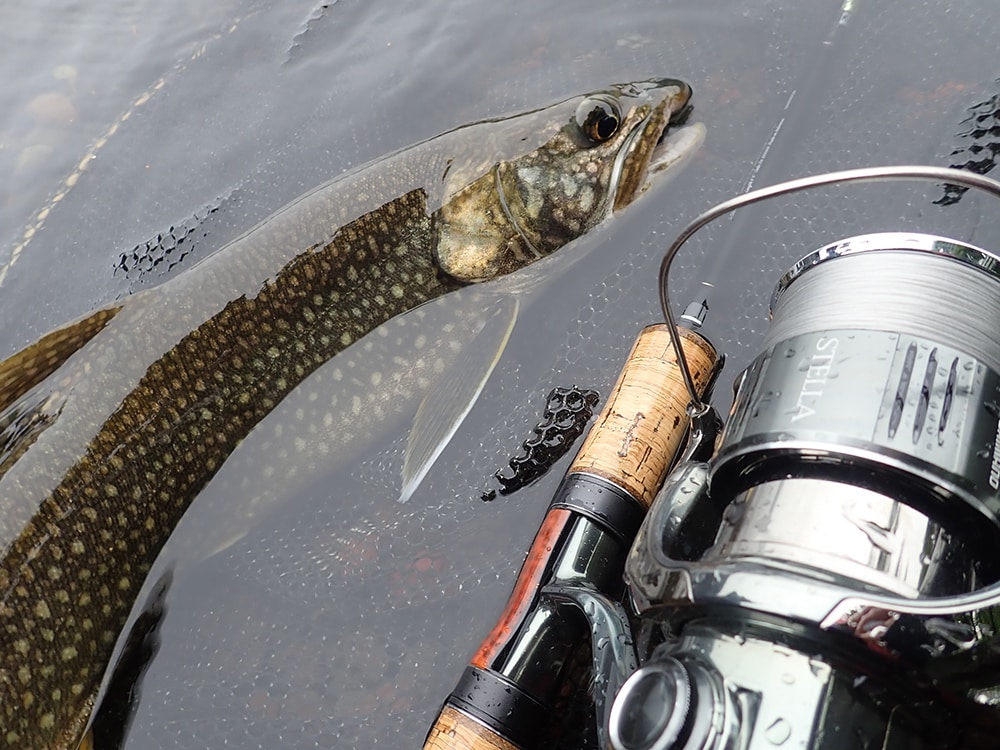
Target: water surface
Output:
[(313, 631)]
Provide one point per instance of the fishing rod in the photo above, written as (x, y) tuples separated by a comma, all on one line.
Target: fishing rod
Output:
[(820, 569), (570, 586)]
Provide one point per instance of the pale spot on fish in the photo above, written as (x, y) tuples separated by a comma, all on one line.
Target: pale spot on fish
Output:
[(569, 185), (376, 379)]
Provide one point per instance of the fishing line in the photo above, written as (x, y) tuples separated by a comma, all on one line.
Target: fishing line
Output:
[(933, 296), (797, 121)]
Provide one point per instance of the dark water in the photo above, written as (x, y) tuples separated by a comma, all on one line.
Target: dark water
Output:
[(315, 629)]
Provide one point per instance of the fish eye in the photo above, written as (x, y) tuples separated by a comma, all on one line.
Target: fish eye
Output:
[(598, 117)]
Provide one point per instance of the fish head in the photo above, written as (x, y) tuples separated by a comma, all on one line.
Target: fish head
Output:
[(598, 153)]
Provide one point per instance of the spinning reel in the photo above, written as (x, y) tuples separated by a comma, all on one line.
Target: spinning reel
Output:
[(824, 571)]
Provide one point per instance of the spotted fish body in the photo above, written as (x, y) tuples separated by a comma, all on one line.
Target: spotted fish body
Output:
[(112, 425)]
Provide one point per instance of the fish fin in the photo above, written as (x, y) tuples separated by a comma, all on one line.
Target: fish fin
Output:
[(21, 372), (123, 692), (20, 427), (452, 397)]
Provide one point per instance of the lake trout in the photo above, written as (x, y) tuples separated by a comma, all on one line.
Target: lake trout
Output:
[(111, 425)]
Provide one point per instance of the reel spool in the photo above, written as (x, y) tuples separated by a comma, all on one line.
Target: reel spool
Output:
[(863, 436)]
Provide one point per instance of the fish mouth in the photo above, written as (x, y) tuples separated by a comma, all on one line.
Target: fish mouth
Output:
[(678, 118), (656, 145), (678, 140), (675, 144)]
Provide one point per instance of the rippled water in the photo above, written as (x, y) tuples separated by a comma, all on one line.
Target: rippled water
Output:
[(316, 629)]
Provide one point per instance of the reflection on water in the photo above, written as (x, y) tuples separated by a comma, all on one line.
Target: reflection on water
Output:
[(345, 619)]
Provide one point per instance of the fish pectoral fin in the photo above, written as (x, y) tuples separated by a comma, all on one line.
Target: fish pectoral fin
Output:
[(21, 372), (452, 397)]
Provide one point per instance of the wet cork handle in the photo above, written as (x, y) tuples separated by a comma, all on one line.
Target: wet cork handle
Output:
[(453, 730), (640, 429)]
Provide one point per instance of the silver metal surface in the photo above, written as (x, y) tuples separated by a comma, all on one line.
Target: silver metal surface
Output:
[(865, 539), (652, 708), (938, 632), (780, 697)]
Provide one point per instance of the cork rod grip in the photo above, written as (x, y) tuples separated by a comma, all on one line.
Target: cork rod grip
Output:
[(453, 730), (641, 427)]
